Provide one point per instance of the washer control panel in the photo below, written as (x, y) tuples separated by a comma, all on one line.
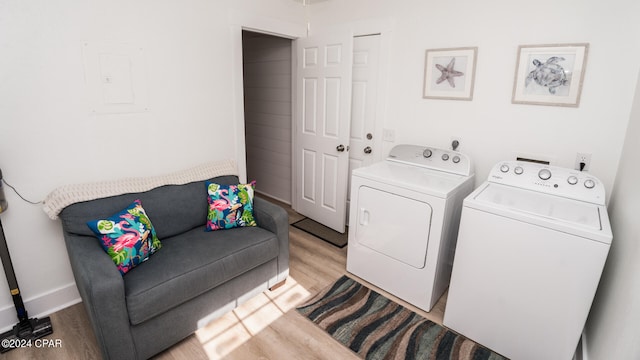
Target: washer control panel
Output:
[(432, 158), (553, 180)]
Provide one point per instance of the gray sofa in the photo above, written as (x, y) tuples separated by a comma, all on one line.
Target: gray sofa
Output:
[(194, 278)]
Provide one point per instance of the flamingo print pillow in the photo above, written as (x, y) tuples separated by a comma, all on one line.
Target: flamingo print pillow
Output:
[(230, 206), (128, 236)]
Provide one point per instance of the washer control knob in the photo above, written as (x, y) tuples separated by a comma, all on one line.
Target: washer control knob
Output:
[(504, 168), (589, 184), (445, 157), (456, 159), (572, 180), (427, 153), (518, 170), (544, 174)]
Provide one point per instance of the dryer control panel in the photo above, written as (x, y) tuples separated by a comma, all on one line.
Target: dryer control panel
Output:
[(547, 179), (432, 158)]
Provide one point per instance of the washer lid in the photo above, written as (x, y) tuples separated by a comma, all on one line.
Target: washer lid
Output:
[(428, 181), (572, 216)]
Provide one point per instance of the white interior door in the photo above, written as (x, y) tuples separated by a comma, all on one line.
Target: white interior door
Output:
[(322, 119), (364, 98), (364, 91)]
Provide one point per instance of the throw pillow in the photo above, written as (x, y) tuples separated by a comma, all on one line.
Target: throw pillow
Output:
[(230, 206), (128, 236)]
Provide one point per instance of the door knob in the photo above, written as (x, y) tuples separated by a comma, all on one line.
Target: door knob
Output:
[(340, 148), (367, 150)]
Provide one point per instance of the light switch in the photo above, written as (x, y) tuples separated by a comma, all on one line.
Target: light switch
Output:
[(389, 135)]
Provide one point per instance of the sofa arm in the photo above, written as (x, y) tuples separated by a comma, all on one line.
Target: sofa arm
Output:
[(275, 219), (102, 290)]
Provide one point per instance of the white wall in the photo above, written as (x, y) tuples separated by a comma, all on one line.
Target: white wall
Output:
[(491, 128), (48, 136), (267, 113), (612, 330)]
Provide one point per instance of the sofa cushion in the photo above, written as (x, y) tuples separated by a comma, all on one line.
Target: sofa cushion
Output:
[(173, 208), (193, 263), (230, 206), (127, 236)]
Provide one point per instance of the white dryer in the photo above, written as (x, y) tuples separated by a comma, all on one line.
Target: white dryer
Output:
[(532, 245), (404, 219)]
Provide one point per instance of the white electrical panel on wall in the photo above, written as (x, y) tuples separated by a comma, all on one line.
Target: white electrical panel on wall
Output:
[(116, 77)]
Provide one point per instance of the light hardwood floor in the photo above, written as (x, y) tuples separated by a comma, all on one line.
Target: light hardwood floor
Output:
[(266, 327)]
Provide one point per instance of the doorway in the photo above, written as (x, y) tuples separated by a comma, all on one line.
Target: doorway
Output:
[(268, 116), (267, 71)]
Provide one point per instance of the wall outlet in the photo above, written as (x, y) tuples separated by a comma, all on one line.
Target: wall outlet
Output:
[(583, 158)]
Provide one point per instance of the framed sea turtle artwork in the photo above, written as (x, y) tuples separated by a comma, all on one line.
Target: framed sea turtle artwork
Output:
[(550, 74), (449, 73)]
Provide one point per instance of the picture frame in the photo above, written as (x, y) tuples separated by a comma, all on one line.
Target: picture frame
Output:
[(550, 74), (450, 73)]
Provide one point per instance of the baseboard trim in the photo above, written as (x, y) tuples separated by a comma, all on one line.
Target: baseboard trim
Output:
[(41, 305), (274, 197)]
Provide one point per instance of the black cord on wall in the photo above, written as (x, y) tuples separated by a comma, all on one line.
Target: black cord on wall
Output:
[(21, 197)]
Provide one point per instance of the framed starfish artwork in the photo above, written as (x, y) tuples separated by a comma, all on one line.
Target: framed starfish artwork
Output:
[(550, 74), (449, 73)]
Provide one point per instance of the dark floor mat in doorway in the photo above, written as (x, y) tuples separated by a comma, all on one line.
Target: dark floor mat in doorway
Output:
[(318, 230)]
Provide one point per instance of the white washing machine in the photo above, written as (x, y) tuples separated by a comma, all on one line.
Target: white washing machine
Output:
[(532, 244), (404, 218)]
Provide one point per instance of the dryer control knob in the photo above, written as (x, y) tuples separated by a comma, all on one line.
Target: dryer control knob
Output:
[(518, 170), (427, 153), (456, 159), (504, 168), (572, 180), (544, 174), (445, 157), (589, 184)]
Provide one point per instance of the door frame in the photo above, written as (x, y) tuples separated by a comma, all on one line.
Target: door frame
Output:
[(384, 28), (255, 22)]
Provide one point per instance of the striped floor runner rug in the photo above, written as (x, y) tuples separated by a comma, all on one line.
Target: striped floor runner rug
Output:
[(375, 327)]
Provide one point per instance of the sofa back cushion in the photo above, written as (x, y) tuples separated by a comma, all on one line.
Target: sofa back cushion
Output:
[(173, 209)]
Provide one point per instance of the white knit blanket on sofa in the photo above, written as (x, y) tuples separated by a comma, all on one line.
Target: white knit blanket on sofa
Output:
[(66, 195)]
